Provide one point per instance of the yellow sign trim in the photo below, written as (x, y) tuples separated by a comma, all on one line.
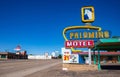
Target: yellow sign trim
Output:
[(82, 12)]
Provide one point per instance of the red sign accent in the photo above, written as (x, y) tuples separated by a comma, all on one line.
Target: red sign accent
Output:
[(79, 43), (18, 48)]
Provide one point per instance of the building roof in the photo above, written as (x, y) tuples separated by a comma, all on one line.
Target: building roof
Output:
[(101, 53), (4, 53), (107, 44)]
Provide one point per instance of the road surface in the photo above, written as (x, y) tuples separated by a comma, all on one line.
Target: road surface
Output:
[(47, 68), (22, 68)]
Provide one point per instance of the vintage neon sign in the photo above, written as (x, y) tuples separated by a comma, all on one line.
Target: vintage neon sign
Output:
[(82, 35), (90, 33)]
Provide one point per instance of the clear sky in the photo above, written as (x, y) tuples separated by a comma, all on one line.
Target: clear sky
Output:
[(37, 25)]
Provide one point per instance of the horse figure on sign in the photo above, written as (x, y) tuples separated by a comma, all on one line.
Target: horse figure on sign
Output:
[(87, 14)]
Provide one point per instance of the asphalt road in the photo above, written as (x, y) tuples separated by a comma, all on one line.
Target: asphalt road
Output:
[(21, 68)]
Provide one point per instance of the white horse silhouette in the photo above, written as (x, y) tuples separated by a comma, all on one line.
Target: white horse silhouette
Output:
[(88, 13)]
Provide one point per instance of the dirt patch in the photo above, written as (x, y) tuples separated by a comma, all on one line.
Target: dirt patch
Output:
[(57, 71)]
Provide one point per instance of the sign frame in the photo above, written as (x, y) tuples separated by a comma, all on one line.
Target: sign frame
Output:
[(88, 10)]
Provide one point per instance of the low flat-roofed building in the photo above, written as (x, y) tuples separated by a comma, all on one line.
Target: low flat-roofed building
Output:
[(10, 55), (112, 57)]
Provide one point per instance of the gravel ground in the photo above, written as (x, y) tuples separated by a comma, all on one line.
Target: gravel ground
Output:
[(47, 68), (21, 68), (57, 71)]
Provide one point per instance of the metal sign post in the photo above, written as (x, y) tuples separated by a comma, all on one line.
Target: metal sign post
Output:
[(89, 56)]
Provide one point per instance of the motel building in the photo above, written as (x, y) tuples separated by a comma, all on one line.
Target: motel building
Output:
[(104, 52), (102, 48), (109, 49)]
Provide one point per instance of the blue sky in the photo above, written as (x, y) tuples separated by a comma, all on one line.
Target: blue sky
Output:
[(37, 25)]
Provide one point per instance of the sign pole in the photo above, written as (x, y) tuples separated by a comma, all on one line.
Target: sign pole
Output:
[(94, 57), (99, 65), (119, 59), (89, 56)]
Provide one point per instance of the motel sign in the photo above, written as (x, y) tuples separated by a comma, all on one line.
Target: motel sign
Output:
[(79, 43)]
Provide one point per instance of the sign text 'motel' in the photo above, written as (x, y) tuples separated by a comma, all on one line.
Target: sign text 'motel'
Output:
[(79, 43)]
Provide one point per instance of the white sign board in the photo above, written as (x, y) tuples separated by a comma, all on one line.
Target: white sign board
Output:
[(74, 58), (66, 55)]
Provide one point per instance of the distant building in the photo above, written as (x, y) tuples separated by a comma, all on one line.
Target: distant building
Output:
[(10, 55), (39, 57), (55, 55)]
